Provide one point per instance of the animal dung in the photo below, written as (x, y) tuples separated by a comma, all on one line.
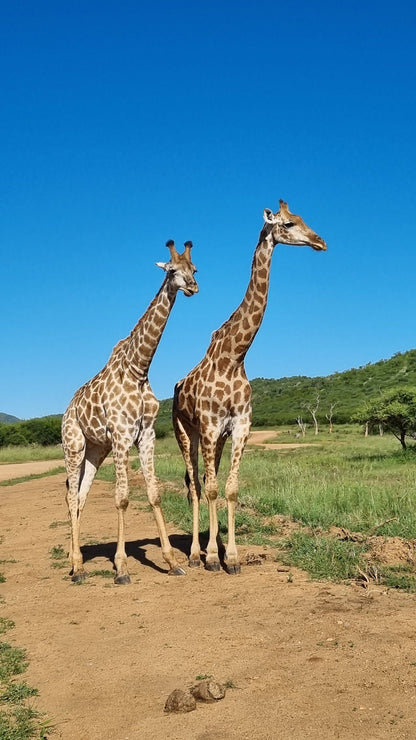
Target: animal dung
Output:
[(208, 691), (253, 558), (180, 701), (185, 701)]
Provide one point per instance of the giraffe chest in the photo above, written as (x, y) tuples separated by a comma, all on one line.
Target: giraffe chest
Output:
[(105, 410)]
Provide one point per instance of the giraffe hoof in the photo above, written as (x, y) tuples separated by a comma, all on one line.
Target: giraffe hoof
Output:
[(178, 571), (78, 577), (233, 570), (122, 580), (194, 563), (214, 566)]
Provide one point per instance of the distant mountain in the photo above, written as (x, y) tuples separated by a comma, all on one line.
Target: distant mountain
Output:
[(8, 419), (281, 401)]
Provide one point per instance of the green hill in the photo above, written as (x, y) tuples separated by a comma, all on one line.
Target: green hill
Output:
[(281, 401), (275, 401), (8, 419)]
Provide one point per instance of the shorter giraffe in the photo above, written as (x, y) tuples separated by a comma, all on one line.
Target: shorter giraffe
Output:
[(117, 409), (213, 402)]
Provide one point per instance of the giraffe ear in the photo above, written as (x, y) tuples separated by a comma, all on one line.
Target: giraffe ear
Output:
[(269, 216), (163, 265)]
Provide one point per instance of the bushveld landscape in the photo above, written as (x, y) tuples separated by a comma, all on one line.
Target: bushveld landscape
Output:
[(315, 638)]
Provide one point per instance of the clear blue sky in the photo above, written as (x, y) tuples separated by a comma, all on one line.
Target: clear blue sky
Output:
[(125, 124)]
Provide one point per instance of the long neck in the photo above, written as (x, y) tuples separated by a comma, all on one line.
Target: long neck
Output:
[(236, 335), (141, 345)]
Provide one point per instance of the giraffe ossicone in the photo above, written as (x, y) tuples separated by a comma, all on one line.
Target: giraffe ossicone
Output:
[(116, 410), (213, 401)]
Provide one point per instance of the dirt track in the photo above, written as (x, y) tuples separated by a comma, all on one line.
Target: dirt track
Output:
[(306, 660)]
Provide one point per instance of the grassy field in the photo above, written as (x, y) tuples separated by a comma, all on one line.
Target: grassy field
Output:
[(365, 485), (346, 480), (16, 454)]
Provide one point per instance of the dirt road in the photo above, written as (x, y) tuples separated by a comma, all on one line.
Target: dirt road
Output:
[(302, 660)]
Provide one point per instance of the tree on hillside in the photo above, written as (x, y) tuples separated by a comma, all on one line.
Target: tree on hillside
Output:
[(330, 416), (301, 424), (395, 410), (312, 407)]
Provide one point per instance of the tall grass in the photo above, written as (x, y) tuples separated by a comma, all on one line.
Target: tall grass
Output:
[(358, 483), (346, 480)]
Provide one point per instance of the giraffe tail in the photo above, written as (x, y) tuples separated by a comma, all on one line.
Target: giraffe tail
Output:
[(187, 483)]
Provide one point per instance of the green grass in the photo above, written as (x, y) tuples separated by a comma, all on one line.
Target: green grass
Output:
[(16, 454), (34, 476), (19, 720), (324, 558), (106, 473), (403, 581), (103, 573), (58, 557)]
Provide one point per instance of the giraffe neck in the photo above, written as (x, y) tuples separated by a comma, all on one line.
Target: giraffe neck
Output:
[(236, 335), (139, 348)]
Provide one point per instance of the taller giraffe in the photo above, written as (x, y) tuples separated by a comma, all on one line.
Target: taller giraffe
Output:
[(117, 409), (213, 402)]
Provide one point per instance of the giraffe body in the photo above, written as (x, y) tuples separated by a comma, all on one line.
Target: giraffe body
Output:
[(116, 410), (213, 401)]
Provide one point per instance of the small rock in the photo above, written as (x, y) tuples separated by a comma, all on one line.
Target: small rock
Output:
[(180, 701), (208, 691)]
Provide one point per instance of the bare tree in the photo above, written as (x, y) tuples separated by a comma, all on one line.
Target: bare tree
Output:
[(330, 415), (301, 425), (313, 407)]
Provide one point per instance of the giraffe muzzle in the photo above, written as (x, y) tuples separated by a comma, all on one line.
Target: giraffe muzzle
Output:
[(319, 245)]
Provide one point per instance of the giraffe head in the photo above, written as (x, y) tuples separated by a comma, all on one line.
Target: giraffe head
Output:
[(287, 228), (180, 270)]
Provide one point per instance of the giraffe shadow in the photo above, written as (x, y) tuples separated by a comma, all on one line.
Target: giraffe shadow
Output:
[(137, 549), (183, 542)]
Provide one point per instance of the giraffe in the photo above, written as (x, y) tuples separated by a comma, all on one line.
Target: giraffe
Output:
[(213, 401), (117, 409)]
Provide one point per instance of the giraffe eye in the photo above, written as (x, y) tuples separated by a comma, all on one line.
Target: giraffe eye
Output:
[(289, 225)]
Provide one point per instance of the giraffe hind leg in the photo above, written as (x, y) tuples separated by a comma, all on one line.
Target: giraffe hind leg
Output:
[(74, 461), (188, 441), (92, 457)]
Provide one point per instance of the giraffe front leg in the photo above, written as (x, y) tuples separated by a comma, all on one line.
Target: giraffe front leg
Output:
[(232, 562), (121, 458), (212, 561), (240, 435), (145, 449)]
